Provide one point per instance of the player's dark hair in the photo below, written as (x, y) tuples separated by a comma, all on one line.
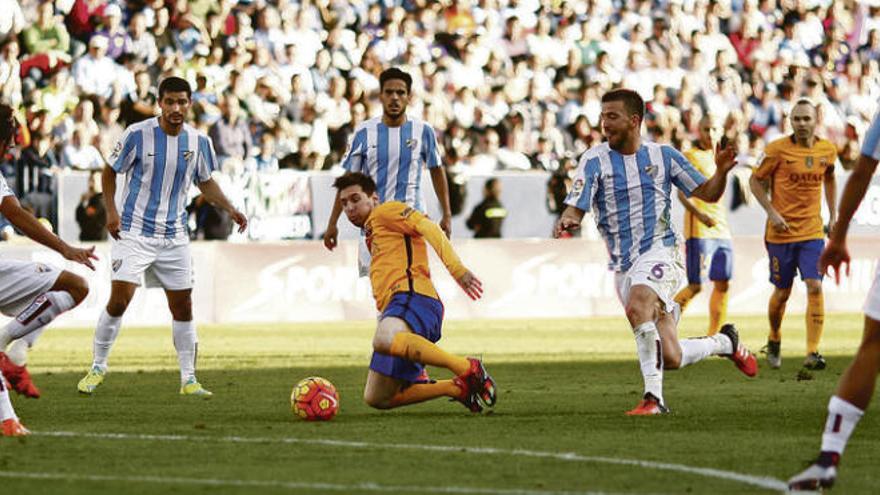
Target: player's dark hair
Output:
[(174, 85), (8, 124), (632, 102), (356, 179), (395, 73)]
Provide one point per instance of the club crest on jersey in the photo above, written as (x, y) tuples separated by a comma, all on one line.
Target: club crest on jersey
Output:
[(412, 143), (41, 268), (578, 186), (115, 265), (187, 155), (651, 170), (809, 162)]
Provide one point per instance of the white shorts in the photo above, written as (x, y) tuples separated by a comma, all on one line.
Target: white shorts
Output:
[(872, 302), (165, 263), (23, 281), (661, 269)]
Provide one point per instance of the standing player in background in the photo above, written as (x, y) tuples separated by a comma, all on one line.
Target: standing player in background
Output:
[(628, 184), (161, 157), (392, 150), (411, 312), (34, 293), (707, 236), (788, 185), (848, 404)]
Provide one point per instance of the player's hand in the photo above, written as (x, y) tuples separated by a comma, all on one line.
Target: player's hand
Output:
[(80, 255), (708, 220), (330, 237), (565, 224), (834, 255), (725, 158), (471, 285), (113, 224), (446, 225), (778, 223), (240, 219)]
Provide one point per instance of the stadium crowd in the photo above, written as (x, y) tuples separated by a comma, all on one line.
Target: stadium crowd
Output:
[(507, 84)]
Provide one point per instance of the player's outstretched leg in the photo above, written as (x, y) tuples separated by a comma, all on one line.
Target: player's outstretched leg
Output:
[(845, 410), (66, 292), (386, 392), (10, 426), (106, 331)]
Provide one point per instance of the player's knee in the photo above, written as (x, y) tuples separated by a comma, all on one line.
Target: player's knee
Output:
[(695, 288), (376, 401), (639, 310), (77, 287), (381, 343), (116, 306), (722, 285), (672, 362), (814, 287), (181, 311), (781, 295)]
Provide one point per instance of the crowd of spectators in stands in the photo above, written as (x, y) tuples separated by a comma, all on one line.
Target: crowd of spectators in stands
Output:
[(507, 84)]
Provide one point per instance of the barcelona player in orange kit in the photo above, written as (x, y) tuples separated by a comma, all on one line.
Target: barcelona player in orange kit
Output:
[(411, 312), (794, 170)]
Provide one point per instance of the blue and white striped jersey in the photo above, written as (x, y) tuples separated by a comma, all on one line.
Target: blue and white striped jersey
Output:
[(394, 158), (630, 196), (871, 145), (159, 170)]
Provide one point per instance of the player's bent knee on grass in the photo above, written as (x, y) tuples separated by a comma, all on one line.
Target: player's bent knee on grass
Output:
[(380, 389), (669, 342), (387, 328)]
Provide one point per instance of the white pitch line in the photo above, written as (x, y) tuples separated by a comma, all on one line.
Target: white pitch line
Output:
[(765, 482), (293, 485)]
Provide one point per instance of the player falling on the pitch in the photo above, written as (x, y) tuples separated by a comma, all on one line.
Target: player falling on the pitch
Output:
[(708, 248), (32, 292), (411, 311), (788, 184), (627, 183), (853, 395)]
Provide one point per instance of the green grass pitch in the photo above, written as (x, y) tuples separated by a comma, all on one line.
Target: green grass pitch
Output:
[(558, 426)]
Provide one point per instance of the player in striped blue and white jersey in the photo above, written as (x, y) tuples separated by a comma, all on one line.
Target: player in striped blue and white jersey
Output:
[(627, 184), (393, 150), (853, 394), (160, 157)]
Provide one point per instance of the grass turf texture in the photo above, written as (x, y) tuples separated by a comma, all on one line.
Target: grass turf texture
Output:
[(564, 386)]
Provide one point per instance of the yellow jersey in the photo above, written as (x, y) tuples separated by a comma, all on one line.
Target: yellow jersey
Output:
[(396, 235), (704, 162), (797, 175)]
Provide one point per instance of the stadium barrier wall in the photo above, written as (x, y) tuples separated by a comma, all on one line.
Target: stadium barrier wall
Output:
[(301, 281)]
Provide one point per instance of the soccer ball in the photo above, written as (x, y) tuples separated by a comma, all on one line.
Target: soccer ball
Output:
[(314, 399)]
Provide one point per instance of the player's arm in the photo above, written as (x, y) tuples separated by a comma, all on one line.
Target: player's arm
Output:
[(438, 178), (31, 227), (432, 233), (759, 184), (108, 183), (213, 194), (692, 209), (831, 196), (712, 189)]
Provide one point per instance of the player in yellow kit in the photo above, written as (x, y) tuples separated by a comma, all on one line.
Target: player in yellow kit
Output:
[(793, 170), (411, 311), (709, 250)]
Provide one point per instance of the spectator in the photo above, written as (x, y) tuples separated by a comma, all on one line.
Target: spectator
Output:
[(80, 154), (231, 136), (46, 41), (267, 161), (143, 102), (90, 213), (95, 73), (488, 216), (12, 19), (10, 70)]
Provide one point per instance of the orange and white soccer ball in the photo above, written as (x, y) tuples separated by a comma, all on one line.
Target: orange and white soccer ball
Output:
[(314, 399)]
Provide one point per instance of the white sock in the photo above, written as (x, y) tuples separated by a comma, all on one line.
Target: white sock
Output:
[(698, 349), (18, 351), (38, 314), (105, 335), (186, 341), (6, 411), (842, 420), (650, 358)]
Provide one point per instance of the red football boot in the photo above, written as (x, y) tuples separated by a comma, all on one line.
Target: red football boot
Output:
[(18, 377), (649, 406), (741, 357)]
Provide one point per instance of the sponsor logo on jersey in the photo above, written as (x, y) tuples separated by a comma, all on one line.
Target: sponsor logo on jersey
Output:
[(115, 265)]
